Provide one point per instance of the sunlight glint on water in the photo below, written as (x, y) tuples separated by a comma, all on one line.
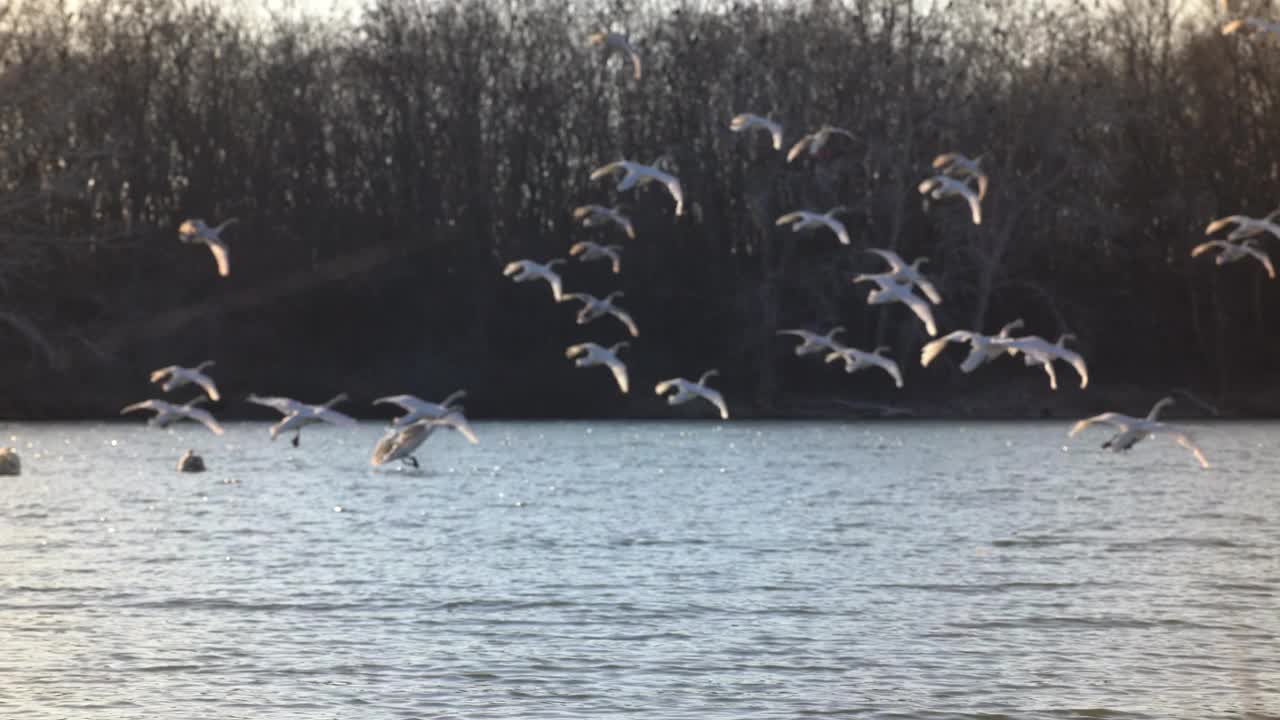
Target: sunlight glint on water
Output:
[(693, 570)]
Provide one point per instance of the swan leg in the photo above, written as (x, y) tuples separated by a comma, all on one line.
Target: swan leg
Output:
[(411, 461), (297, 438)]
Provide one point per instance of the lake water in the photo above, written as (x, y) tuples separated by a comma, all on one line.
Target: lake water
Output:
[(656, 570)]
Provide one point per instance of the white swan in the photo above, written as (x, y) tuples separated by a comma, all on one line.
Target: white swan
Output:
[(418, 409), (167, 413), (528, 270), (593, 354), (400, 444), (586, 251), (594, 308), (686, 391), (962, 166), (890, 291), (299, 415), (811, 342), (595, 215), (617, 42), (1233, 251), (806, 219), (909, 274), (855, 360), (1253, 24), (635, 174), (1132, 430), (194, 230), (179, 376), (1246, 227), (981, 347), (1038, 351), (749, 121), (816, 140), (942, 186)]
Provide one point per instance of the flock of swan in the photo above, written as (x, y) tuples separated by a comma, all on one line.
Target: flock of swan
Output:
[(951, 175)]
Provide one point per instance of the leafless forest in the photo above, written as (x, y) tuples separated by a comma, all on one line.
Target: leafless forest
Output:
[(385, 168)]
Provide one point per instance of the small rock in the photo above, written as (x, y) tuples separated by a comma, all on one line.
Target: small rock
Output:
[(10, 464), (191, 462)]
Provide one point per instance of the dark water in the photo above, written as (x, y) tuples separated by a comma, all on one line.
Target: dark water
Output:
[(771, 570)]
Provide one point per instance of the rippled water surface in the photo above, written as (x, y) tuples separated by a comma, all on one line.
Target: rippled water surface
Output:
[(657, 570)]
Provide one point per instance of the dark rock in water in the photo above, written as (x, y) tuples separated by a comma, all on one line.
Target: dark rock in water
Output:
[(10, 464), (191, 462)]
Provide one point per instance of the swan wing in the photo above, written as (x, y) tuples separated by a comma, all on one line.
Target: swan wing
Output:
[(791, 217), (1117, 420), (1205, 247), (408, 403), (1221, 223), (663, 387), (221, 255), (204, 417), (933, 348), (920, 307), (715, 398), (1263, 258), (206, 383), (673, 187), (626, 224), (334, 417), (574, 351), (838, 228), (144, 405), (799, 147), (553, 279), (619, 370), (1076, 360), (983, 181), (279, 404), (162, 373), (609, 169), (1185, 441), (890, 366), (929, 290), (975, 205), (896, 263), (625, 317)]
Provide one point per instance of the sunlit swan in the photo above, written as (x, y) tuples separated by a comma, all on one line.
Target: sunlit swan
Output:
[(1251, 24), (400, 444), (418, 409), (190, 462), (816, 140), (855, 360), (943, 186), (594, 308), (193, 231), (635, 174), (528, 270), (962, 166), (1246, 227), (10, 463), (1132, 430), (981, 347), (617, 42), (586, 251), (299, 415), (179, 376), (749, 121), (593, 354), (1038, 351), (1233, 251), (811, 342), (909, 274), (167, 413), (595, 215), (686, 391), (890, 291), (806, 219)]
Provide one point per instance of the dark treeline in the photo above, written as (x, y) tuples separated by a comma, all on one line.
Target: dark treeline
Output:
[(386, 167)]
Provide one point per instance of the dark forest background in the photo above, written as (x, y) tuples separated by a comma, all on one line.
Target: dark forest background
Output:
[(386, 167)]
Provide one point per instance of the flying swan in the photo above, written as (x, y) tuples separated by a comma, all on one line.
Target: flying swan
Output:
[(811, 342), (1132, 430), (179, 376), (299, 415), (943, 186), (816, 140), (167, 413), (750, 121), (982, 348), (636, 174), (909, 274), (196, 231), (528, 270), (596, 215), (593, 354), (686, 391), (890, 291), (586, 251), (855, 360), (594, 308), (418, 409), (1233, 251), (807, 219), (400, 444)]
